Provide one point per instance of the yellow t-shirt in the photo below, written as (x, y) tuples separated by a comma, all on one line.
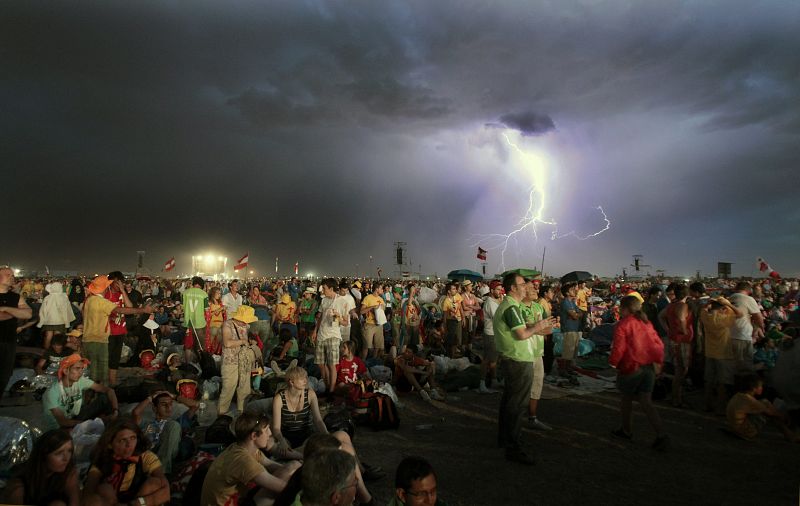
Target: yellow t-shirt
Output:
[(216, 319), (149, 462), (286, 312), (452, 308), (95, 319), (369, 301), (230, 473), (582, 299), (717, 327), (738, 412)]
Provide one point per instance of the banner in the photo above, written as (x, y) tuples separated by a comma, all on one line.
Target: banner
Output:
[(481, 253), (764, 267), (296, 268)]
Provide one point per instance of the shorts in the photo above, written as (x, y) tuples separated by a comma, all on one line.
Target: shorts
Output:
[(345, 332), (97, 354), (470, 323), (681, 355), (640, 381), (719, 371), (327, 351), (489, 349), (114, 351), (373, 336), (54, 328), (570, 345), (743, 354), (538, 378), (453, 333)]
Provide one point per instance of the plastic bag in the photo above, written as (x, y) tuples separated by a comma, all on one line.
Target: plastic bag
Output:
[(316, 384), (16, 441), (85, 436), (126, 354), (20, 374), (388, 390), (211, 388), (381, 373)]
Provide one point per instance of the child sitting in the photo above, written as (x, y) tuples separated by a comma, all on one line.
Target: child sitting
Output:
[(747, 415), (51, 358), (286, 351), (350, 368)]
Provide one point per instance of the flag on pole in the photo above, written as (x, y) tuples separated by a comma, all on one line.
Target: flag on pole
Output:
[(764, 267), (296, 268), (276, 265), (169, 265), (380, 272), (481, 253), (242, 262)]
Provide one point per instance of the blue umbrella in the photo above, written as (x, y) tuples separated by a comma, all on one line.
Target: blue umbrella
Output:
[(464, 274)]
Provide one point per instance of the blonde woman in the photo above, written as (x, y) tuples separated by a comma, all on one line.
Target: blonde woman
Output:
[(237, 359), (296, 416), (216, 311)]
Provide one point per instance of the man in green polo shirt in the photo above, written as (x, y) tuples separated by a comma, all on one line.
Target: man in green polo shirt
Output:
[(532, 313), (516, 350)]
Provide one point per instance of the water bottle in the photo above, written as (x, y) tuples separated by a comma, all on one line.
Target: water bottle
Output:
[(202, 410)]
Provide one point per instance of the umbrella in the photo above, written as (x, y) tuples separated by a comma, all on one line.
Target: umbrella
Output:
[(463, 274), (575, 277), (525, 273)]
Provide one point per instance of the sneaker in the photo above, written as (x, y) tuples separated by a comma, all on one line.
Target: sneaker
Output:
[(425, 396), (521, 457), (661, 443), (535, 423), (620, 433), (483, 390), (435, 395)]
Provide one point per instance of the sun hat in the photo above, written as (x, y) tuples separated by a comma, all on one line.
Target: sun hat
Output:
[(75, 333), (150, 324), (99, 284), (357, 284), (286, 298), (69, 361), (484, 290), (495, 284), (245, 314), (466, 282), (310, 290)]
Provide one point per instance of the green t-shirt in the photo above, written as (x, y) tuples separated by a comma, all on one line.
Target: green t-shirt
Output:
[(533, 313), (507, 319), (195, 302), (311, 307)]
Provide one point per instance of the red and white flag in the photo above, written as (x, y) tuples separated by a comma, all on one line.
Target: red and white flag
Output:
[(242, 262), (764, 267), (170, 264), (296, 268), (380, 272), (481, 253)]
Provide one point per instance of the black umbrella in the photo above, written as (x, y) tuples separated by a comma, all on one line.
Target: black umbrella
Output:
[(576, 277)]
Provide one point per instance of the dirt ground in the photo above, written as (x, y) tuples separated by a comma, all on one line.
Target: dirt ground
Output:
[(580, 462)]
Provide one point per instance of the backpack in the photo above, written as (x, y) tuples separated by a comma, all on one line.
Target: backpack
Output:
[(340, 420), (382, 413)]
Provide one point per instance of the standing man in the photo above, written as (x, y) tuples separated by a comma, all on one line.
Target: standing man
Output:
[(195, 303), (12, 308), (373, 331), (332, 311), (678, 320), (489, 361), (513, 340), (747, 327), (453, 314), (571, 319), (233, 299), (533, 313), (470, 305), (117, 323), (345, 324), (97, 311)]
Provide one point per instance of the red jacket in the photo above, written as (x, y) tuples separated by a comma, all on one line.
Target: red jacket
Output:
[(635, 344)]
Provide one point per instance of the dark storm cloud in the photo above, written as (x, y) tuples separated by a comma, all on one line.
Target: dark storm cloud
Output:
[(244, 125), (528, 122)]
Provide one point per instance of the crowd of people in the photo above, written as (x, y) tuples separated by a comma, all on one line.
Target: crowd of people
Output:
[(523, 331)]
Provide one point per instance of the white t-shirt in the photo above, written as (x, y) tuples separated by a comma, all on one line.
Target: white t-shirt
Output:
[(328, 325), (351, 304), (231, 303), (489, 308), (743, 329)]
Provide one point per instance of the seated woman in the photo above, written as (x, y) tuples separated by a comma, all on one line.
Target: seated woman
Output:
[(242, 467), (49, 476), (296, 416), (287, 351), (123, 470)]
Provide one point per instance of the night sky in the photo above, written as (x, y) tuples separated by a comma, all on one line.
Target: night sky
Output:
[(323, 131)]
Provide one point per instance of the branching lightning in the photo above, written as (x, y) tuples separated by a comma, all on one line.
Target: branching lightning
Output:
[(534, 216)]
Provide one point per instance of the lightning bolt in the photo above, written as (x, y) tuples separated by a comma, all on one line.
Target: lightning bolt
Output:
[(534, 215)]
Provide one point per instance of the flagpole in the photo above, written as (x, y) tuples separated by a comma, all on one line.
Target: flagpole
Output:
[(543, 252)]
